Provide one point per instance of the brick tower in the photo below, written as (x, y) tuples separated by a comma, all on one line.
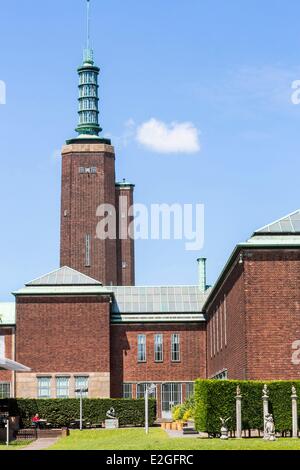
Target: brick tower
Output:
[(88, 182)]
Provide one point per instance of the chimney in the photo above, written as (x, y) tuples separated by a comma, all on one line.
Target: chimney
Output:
[(202, 274)]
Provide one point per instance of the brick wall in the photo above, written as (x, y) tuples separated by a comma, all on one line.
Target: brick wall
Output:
[(126, 368), (63, 334), (8, 333), (81, 196), (226, 328), (125, 246), (272, 284), (262, 301)]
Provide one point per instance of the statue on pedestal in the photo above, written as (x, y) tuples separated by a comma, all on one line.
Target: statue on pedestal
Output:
[(269, 433), (224, 428)]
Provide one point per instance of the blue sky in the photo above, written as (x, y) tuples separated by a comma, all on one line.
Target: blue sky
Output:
[(226, 67)]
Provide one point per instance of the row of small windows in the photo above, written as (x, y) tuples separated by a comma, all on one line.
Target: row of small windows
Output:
[(88, 117), (62, 385), (88, 77), (159, 348), (91, 170), (88, 104), (88, 90)]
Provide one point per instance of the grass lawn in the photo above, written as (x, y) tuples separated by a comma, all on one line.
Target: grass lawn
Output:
[(158, 439), (16, 445)]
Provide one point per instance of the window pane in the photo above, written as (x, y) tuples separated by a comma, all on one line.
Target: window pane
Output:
[(158, 348), (4, 390), (62, 387), (175, 352), (44, 389), (141, 348), (141, 390), (81, 383), (127, 390), (189, 390)]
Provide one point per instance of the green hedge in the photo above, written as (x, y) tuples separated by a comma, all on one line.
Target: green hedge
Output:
[(61, 413), (216, 398)]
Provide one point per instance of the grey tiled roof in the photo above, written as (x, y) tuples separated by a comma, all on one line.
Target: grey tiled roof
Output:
[(64, 276), (288, 224)]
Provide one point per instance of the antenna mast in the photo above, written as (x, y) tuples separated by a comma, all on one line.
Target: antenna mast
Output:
[(88, 25), (88, 52)]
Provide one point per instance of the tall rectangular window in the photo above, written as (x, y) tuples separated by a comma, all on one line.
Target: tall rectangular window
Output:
[(189, 390), (127, 391), (44, 387), (88, 251), (158, 348), (81, 383), (175, 348), (141, 348), (62, 387), (4, 390), (2, 346), (225, 320)]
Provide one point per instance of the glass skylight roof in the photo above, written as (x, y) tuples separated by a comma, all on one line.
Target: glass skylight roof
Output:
[(288, 224), (187, 299)]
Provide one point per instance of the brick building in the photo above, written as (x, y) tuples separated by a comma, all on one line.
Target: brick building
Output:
[(87, 325)]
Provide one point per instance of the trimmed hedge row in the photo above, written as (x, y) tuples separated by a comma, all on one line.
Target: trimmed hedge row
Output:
[(216, 398), (61, 413)]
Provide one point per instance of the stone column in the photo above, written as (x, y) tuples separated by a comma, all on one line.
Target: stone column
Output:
[(238, 400), (295, 412), (265, 398)]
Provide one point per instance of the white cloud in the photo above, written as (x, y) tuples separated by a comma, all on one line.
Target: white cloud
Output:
[(169, 138)]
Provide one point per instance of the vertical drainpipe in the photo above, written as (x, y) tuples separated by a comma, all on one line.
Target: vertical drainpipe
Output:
[(202, 274)]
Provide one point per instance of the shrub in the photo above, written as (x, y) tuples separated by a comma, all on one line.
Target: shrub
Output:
[(216, 398), (61, 413)]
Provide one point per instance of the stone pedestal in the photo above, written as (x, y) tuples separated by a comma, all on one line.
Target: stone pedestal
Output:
[(238, 399), (295, 414), (111, 424)]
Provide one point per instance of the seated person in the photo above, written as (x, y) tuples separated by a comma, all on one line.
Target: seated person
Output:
[(36, 421)]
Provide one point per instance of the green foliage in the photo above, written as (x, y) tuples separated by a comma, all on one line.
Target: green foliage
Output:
[(216, 398), (61, 413), (184, 411)]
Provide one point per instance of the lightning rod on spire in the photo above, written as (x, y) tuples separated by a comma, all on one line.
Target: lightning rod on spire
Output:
[(88, 52)]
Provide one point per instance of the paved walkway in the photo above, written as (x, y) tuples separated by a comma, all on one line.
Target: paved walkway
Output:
[(41, 444), (177, 434)]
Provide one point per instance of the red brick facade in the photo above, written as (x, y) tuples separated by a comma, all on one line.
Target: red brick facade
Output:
[(125, 367), (258, 310), (125, 242), (64, 334), (9, 334), (82, 194)]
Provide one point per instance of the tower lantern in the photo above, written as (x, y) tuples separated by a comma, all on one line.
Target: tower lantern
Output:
[(88, 90)]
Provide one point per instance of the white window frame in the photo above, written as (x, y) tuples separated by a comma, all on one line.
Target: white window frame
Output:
[(156, 345), (40, 388), (142, 358), (173, 350), (59, 387), (85, 385), (5, 384), (127, 394)]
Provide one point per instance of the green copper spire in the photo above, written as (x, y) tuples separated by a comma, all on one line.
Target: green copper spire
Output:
[(88, 90)]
